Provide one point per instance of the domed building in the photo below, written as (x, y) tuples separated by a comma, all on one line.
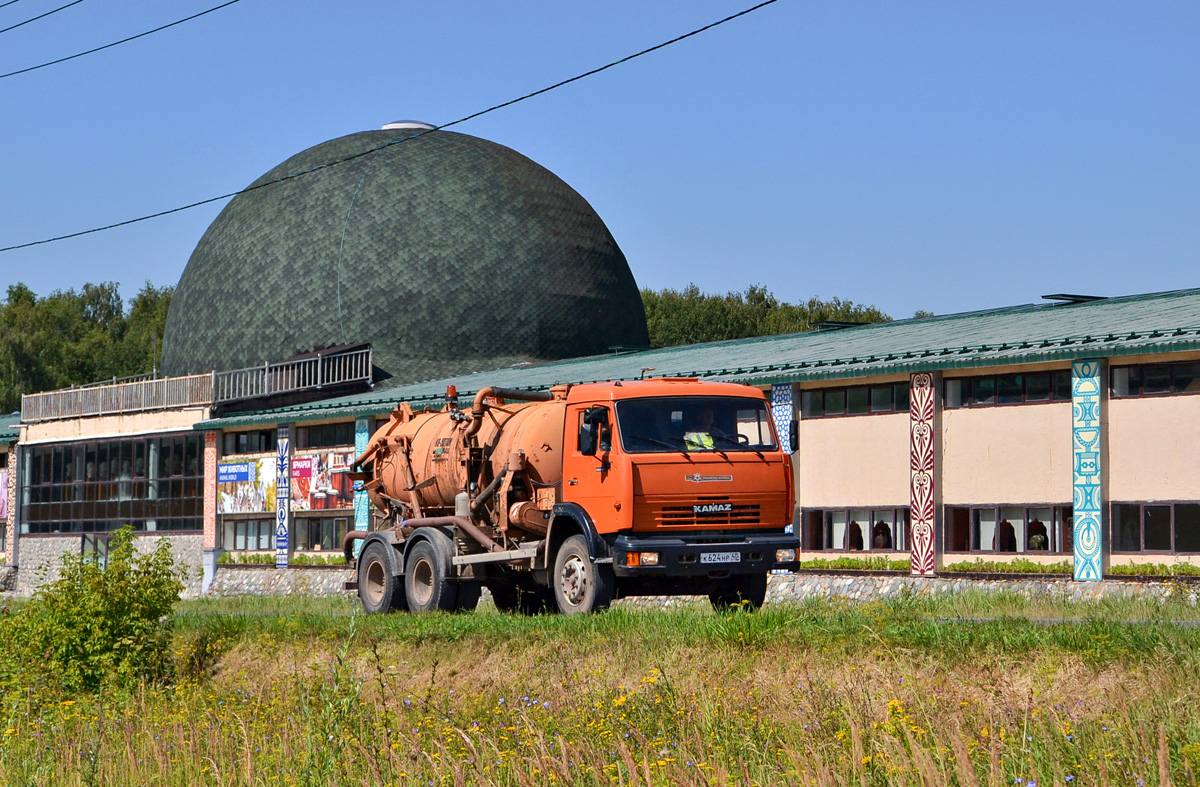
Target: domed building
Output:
[(448, 253)]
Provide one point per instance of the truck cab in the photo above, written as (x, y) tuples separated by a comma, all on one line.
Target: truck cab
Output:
[(683, 485)]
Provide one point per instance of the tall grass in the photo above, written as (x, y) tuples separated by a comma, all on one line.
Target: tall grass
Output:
[(285, 691)]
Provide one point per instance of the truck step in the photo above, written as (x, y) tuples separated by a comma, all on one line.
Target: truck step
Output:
[(494, 557)]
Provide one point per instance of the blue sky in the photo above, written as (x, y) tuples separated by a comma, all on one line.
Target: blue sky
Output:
[(940, 156)]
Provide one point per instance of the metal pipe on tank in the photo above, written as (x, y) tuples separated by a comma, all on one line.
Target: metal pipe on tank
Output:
[(479, 406)]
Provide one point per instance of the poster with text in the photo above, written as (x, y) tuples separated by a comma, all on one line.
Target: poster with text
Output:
[(246, 487), (319, 484)]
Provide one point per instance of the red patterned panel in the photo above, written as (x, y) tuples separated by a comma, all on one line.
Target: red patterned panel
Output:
[(210, 490), (921, 466)]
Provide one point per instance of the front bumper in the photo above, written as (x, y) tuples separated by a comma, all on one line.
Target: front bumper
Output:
[(683, 555)]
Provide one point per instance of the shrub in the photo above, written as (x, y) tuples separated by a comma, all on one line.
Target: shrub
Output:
[(97, 624), (1018, 565)]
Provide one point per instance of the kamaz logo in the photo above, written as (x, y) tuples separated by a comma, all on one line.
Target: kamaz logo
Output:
[(712, 508), (697, 478)]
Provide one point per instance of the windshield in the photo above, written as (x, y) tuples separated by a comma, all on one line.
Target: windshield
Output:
[(694, 423)]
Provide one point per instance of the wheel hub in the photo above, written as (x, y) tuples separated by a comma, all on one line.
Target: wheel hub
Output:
[(574, 580), (422, 590)]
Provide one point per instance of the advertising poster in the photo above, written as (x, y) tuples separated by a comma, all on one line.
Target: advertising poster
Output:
[(318, 483), (246, 487), (3, 494)]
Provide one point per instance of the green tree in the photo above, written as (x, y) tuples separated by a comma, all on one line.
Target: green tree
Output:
[(73, 338), (689, 316)]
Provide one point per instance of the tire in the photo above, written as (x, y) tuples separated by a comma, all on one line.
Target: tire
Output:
[(522, 598), (427, 575), (378, 589), (579, 584), (746, 590)]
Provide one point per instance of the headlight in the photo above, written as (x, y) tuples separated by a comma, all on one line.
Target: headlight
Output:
[(649, 558), (785, 555)]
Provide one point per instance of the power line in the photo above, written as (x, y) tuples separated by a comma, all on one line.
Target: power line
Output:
[(389, 143), (40, 16), (10, 2), (118, 43)]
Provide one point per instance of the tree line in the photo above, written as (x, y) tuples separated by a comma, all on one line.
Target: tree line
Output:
[(689, 316), (76, 337)]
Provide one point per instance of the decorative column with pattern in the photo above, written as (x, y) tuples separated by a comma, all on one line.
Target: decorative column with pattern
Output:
[(922, 446), (10, 493), (1087, 433), (283, 496), (783, 412), (362, 506), (210, 490)]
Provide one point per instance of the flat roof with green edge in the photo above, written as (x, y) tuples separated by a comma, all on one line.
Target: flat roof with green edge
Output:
[(9, 428), (1034, 333)]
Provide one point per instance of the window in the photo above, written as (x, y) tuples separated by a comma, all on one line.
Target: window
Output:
[(151, 483), (1163, 378), (856, 400), (1006, 389), (1155, 527), (855, 530), (249, 535), (694, 423), (325, 435), (1014, 529), (260, 441), (321, 534)]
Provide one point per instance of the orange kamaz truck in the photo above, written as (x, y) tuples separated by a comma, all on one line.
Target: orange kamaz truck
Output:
[(568, 498)]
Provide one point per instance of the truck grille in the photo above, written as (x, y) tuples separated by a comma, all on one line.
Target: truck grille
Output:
[(686, 516)]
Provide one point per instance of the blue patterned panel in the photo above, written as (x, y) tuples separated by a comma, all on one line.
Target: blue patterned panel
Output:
[(362, 506), (283, 496), (781, 409), (1088, 496)]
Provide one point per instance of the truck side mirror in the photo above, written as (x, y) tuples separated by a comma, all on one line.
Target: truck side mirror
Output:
[(794, 437), (594, 432)]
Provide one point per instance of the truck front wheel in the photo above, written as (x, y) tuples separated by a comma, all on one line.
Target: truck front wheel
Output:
[(748, 590), (378, 589), (580, 585), (427, 580)]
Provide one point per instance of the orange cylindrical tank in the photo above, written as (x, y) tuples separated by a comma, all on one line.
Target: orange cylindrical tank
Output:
[(422, 458)]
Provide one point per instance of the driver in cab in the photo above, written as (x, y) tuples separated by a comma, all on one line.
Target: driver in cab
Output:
[(700, 433)]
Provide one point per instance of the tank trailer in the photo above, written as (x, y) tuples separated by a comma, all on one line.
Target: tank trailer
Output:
[(568, 498)]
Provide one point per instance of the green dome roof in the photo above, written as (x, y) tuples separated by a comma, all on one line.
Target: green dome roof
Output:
[(448, 253)]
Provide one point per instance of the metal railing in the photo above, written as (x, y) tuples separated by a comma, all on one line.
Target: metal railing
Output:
[(200, 390), (161, 394)]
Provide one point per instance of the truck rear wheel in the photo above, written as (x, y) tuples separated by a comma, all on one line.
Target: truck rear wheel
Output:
[(427, 581), (748, 590), (379, 589), (580, 584)]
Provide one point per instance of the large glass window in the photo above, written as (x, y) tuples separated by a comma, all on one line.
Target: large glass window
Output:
[(1006, 389), (855, 400), (1155, 527), (855, 530), (694, 423), (151, 483), (1012, 529), (1150, 380), (325, 435)]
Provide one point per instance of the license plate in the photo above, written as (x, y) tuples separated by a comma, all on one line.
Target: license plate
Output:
[(720, 557)]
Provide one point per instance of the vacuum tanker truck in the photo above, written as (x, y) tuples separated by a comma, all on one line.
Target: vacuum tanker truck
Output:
[(568, 498)]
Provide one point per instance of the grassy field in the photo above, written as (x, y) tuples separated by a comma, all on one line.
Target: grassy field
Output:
[(980, 689)]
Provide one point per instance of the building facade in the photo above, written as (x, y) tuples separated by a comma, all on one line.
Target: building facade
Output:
[(1059, 432)]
